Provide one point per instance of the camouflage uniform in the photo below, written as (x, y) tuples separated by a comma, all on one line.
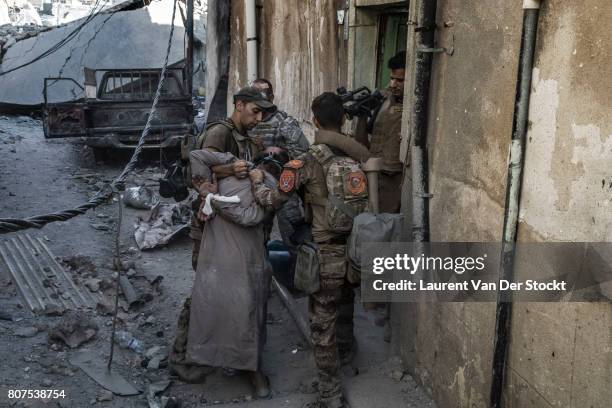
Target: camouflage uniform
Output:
[(281, 130), (331, 308)]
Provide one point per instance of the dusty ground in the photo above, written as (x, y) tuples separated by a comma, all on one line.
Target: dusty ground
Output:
[(38, 176)]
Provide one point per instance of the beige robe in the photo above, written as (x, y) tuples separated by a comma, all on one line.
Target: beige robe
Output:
[(227, 326)]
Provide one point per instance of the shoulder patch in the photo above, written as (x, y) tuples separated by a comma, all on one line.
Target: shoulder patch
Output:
[(294, 164), (287, 180), (356, 182)]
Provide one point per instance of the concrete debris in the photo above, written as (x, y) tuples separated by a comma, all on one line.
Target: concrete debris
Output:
[(101, 227), (10, 34), (165, 222), (153, 351), (5, 316), (104, 307), (142, 198), (154, 363), (154, 391), (74, 329), (104, 395), (92, 284), (54, 310), (397, 375), (81, 265), (26, 332)]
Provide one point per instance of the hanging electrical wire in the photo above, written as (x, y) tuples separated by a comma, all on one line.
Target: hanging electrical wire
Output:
[(11, 224), (57, 46)]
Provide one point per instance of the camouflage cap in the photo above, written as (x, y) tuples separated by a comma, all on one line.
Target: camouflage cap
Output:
[(257, 96)]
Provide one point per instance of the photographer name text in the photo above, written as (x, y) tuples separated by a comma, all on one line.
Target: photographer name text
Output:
[(471, 285)]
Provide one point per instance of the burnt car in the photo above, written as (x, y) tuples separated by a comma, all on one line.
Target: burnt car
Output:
[(113, 107)]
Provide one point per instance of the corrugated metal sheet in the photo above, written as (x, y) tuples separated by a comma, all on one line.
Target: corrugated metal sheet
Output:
[(43, 284)]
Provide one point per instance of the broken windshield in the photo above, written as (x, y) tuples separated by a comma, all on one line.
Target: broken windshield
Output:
[(138, 85)]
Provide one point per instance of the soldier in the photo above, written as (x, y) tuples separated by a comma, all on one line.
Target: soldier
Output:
[(331, 307), (230, 136), (226, 136), (385, 143), (277, 128), (386, 136), (280, 130)]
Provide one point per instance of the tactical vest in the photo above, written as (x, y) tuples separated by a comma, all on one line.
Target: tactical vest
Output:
[(347, 190), (269, 131)]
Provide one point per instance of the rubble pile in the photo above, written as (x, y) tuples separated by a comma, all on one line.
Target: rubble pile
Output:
[(10, 34)]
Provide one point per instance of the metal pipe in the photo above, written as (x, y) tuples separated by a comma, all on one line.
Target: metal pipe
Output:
[(189, 57), (372, 168), (424, 39), (292, 308), (503, 317), (251, 40), (131, 297)]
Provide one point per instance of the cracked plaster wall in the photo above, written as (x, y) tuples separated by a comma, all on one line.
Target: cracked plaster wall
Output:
[(560, 354)]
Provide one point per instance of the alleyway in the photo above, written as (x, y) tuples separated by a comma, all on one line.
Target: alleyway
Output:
[(38, 176)]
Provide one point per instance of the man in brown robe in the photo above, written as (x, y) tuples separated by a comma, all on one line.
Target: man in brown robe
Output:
[(228, 303)]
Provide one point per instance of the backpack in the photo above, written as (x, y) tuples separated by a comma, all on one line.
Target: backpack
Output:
[(347, 188), (177, 181)]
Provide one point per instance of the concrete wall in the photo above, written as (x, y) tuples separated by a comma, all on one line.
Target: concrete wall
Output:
[(217, 58), (469, 129), (302, 52), (560, 354)]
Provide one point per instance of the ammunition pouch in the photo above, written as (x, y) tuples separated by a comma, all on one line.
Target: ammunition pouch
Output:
[(307, 269)]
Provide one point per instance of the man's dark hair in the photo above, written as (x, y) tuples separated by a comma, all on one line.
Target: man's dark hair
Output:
[(272, 162), (398, 61), (263, 81), (328, 110)]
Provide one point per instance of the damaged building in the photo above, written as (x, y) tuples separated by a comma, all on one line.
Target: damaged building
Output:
[(130, 35), (559, 354)]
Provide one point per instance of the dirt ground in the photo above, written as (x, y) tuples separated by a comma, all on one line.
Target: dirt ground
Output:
[(39, 176)]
